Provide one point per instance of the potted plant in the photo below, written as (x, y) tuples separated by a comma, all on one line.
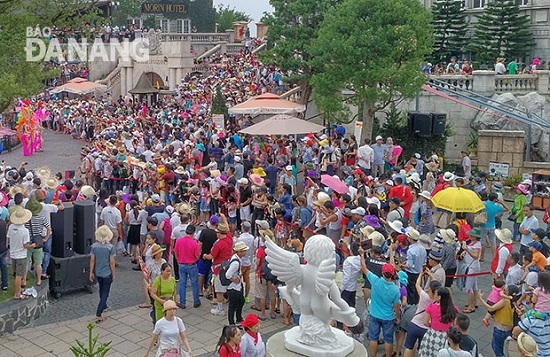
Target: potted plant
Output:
[(508, 192), (471, 143)]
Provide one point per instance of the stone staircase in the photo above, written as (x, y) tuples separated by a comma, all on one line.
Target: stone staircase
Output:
[(112, 81)]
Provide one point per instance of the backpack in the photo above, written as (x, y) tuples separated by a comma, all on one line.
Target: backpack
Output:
[(266, 273), (224, 267), (463, 229)]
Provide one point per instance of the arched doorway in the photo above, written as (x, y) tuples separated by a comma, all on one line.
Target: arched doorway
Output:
[(155, 79)]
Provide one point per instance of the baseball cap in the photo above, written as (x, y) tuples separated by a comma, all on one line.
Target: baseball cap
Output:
[(243, 181), (379, 137), (402, 239), (359, 210), (536, 245), (237, 158), (541, 233), (417, 155), (288, 168), (155, 198), (388, 269)]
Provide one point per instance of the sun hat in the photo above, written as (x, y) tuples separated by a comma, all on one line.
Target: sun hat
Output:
[(437, 256), (20, 216), (397, 226), (527, 345), (322, 197), (521, 188), (426, 195), (243, 181), (52, 183), (155, 198), (366, 231), (377, 238), (535, 245), (403, 277), (240, 246), (475, 232), (250, 320), (262, 223), (169, 209), (425, 241), (169, 305), (388, 269), (448, 235), (448, 176), (180, 170), (359, 210), (156, 249), (372, 221), (373, 200), (15, 190), (215, 173), (220, 180), (259, 171), (257, 180), (34, 206), (237, 159), (504, 235), (103, 234), (222, 228), (412, 233), (43, 172), (497, 186)]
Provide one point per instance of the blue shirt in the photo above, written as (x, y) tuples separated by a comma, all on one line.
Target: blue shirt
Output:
[(271, 173), (384, 295), (102, 254), (416, 258), (379, 152), (540, 331), (492, 210)]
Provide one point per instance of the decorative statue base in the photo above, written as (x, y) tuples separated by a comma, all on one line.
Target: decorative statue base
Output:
[(342, 345)]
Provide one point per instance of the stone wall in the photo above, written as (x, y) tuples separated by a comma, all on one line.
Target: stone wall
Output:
[(501, 146), (15, 314)]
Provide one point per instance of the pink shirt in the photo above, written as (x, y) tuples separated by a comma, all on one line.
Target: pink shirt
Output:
[(187, 250), (494, 296), (543, 300), (435, 318)]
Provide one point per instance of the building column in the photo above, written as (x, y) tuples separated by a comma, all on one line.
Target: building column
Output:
[(130, 78), (123, 88), (171, 78), (179, 76)]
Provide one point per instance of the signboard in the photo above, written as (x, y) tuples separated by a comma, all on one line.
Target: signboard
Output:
[(499, 169), (218, 119), (163, 7)]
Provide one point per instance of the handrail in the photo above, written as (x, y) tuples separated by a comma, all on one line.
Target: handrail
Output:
[(210, 52)]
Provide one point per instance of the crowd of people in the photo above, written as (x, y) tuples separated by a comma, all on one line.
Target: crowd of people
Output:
[(189, 201)]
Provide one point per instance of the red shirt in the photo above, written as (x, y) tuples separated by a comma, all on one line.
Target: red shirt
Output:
[(187, 250), (404, 194), (227, 351), (222, 250)]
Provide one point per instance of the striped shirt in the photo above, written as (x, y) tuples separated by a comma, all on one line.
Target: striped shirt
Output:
[(540, 331), (37, 227)]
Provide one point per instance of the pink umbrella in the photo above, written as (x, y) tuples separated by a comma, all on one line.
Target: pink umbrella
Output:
[(334, 183)]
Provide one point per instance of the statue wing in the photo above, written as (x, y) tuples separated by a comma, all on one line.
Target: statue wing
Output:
[(284, 265), (325, 276)]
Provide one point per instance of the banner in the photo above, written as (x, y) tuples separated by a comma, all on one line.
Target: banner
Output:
[(163, 7)]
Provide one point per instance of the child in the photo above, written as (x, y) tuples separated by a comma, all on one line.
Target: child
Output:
[(541, 297), (231, 205), (494, 297), (19, 239), (538, 258), (529, 279), (147, 249), (538, 235)]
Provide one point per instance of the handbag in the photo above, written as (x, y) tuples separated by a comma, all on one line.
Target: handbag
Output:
[(480, 219), (512, 217), (171, 352), (432, 342)]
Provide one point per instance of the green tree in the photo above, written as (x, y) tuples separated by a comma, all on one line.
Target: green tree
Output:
[(125, 9), (225, 16), (218, 105), (450, 29), (372, 49), (502, 31), (292, 28)]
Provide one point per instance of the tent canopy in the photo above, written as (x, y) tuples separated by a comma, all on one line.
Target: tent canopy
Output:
[(143, 86), (267, 104), (282, 124), (79, 86)]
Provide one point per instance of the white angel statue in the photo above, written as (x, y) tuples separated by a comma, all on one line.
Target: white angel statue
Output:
[(311, 289)]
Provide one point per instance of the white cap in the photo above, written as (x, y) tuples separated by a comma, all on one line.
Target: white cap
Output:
[(324, 136), (288, 168), (359, 210), (238, 158), (243, 181), (379, 137), (389, 183), (417, 155)]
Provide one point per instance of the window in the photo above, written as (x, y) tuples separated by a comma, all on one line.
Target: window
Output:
[(162, 24), (176, 26), (478, 4), (135, 21), (186, 25), (522, 2)]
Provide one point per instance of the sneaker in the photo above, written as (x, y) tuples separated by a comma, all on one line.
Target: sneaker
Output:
[(217, 312), (246, 299), (196, 305), (5, 288)]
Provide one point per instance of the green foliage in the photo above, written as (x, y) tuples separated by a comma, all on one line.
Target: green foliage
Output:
[(93, 349), (513, 180), (204, 15), (471, 142), (395, 126), (218, 105), (374, 50), (450, 25), (225, 16), (125, 9), (502, 31)]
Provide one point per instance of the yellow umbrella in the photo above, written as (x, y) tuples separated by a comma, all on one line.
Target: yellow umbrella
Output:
[(456, 199)]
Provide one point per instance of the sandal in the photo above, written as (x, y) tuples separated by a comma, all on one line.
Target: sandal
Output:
[(485, 322), (273, 315), (209, 296), (99, 320), (277, 311), (21, 297), (253, 307), (468, 311)]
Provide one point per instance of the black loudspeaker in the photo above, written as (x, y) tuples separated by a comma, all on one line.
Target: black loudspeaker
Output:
[(438, 123), (62, 232), (410, 121), (423, 124), (69, 273), (84, 226)]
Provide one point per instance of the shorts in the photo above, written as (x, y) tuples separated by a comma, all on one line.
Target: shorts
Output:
[(204, 266), (142, 238), (35, 255), (387, 327), (20, 266), (233, 220), (218, 287), (414, 336), (114, 241), (264, 288)]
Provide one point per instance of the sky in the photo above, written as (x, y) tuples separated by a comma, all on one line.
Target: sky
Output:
[(254, 8)]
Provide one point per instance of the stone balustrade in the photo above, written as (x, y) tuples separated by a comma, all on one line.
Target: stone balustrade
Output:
[(488, 83)]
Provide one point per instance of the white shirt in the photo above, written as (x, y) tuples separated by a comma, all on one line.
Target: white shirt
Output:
[(248, 349), (365, 155), (467, 165), (18, 235), (169, 332), (248, 239), (111, 216), (47, 210), (528, 223), (178, 231), (514, 275), (351, 270), (234, 271)]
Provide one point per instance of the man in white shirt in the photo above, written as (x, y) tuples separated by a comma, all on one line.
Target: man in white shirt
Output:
[(515, 272), (365, 156), (246, 261), (111, 217), (234, 290), (466, 164), (527, 226)]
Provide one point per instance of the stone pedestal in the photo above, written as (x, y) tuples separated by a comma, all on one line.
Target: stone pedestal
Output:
[(277, 346)]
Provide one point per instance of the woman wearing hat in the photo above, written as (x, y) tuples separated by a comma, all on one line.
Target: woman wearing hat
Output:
[(102, 266), (152, 271), (527, 346), (471, 255), (169, 332), (252, 344), (448, 251), (163, 289), (425, 214), (517, 215)]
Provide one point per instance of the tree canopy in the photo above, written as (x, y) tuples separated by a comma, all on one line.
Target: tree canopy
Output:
[(450, 25), (225, 16), (374, 50), (502, 31)]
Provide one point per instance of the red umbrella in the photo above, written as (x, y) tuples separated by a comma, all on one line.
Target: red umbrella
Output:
[(335, 184)]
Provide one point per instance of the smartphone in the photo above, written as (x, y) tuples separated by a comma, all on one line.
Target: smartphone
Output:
[(366, 244)]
